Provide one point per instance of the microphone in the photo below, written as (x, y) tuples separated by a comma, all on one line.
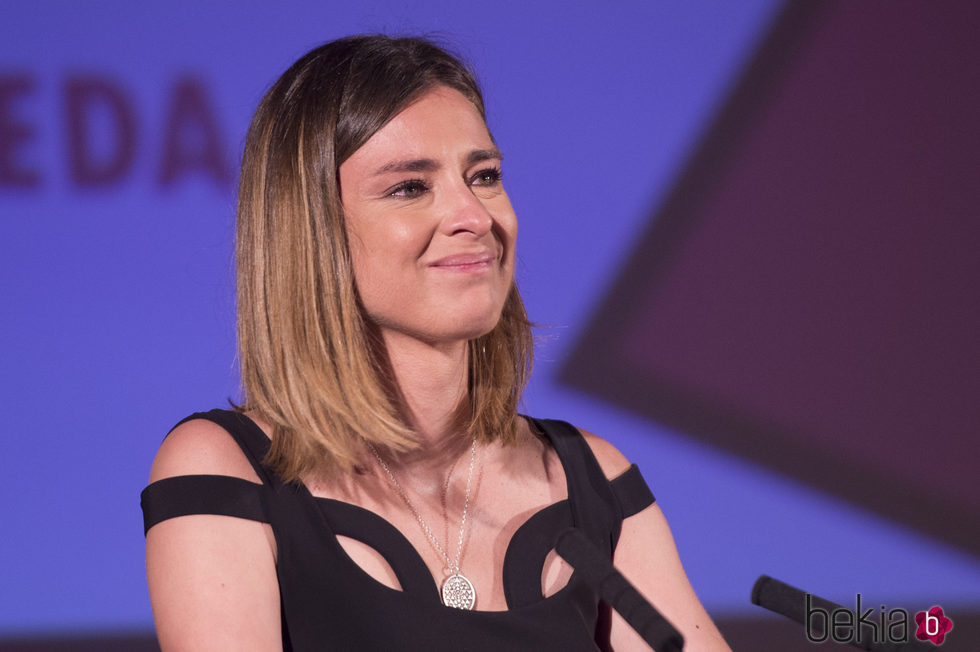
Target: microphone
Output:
[(798, 605), (616, 591)]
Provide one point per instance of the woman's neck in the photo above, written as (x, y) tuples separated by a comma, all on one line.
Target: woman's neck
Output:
[(432, 380)]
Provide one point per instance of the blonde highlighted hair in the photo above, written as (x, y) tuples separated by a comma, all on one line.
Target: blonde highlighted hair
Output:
[(312, 365)]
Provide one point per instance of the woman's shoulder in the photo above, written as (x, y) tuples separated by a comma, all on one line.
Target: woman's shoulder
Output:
[(612, 462), (200, 446), (211, 567)]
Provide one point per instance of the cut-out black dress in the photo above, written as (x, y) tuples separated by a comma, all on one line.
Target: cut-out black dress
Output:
[(329, 602)]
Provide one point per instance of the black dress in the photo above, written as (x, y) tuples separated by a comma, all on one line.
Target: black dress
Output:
[(329, 602)]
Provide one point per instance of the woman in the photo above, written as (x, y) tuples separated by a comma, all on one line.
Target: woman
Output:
[(383, 491)]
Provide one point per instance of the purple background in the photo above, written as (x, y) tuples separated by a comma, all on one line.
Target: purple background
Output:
[(116, 285)]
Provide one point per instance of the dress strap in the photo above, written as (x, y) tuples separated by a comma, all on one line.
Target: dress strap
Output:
[(593, 504), (215, 494), (530, 545), (246, 433), (201, 494), (632, 492)]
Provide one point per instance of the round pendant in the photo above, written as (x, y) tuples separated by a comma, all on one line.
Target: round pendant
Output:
[(457, 592)]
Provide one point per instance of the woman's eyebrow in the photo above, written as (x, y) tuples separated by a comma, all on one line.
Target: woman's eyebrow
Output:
[(409, 165), (478, 155), (430, 165)]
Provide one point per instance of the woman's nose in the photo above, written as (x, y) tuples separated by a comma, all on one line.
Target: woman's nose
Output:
[(465, 212)]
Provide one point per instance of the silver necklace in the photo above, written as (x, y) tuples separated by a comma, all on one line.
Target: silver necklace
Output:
[(457, 591)]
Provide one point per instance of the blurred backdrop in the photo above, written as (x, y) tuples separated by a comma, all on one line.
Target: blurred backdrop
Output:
[(749, 231)]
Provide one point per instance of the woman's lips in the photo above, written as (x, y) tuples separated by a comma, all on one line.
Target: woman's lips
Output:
[(465, 262)]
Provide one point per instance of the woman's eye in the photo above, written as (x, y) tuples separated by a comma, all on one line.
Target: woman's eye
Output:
[(488, 177), (410, 189)]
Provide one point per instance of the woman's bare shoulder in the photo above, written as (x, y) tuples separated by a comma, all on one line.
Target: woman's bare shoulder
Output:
[(200, 447), (611, 461), (647, 555), (212, 578)]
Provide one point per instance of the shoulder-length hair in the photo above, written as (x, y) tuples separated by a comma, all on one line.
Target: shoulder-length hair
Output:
[(312, 365)]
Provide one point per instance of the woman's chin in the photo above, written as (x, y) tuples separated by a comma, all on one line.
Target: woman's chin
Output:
[(453, 329), (468, 331), (447, 330)]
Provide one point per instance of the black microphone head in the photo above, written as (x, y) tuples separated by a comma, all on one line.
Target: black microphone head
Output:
[(758, 588)]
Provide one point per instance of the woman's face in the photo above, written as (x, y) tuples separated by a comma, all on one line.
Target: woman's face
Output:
[(432, 231)]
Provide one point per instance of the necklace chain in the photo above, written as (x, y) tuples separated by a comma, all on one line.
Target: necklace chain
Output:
[(453, 567)]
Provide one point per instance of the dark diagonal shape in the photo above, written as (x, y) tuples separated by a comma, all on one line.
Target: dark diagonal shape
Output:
[(806, 296)]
